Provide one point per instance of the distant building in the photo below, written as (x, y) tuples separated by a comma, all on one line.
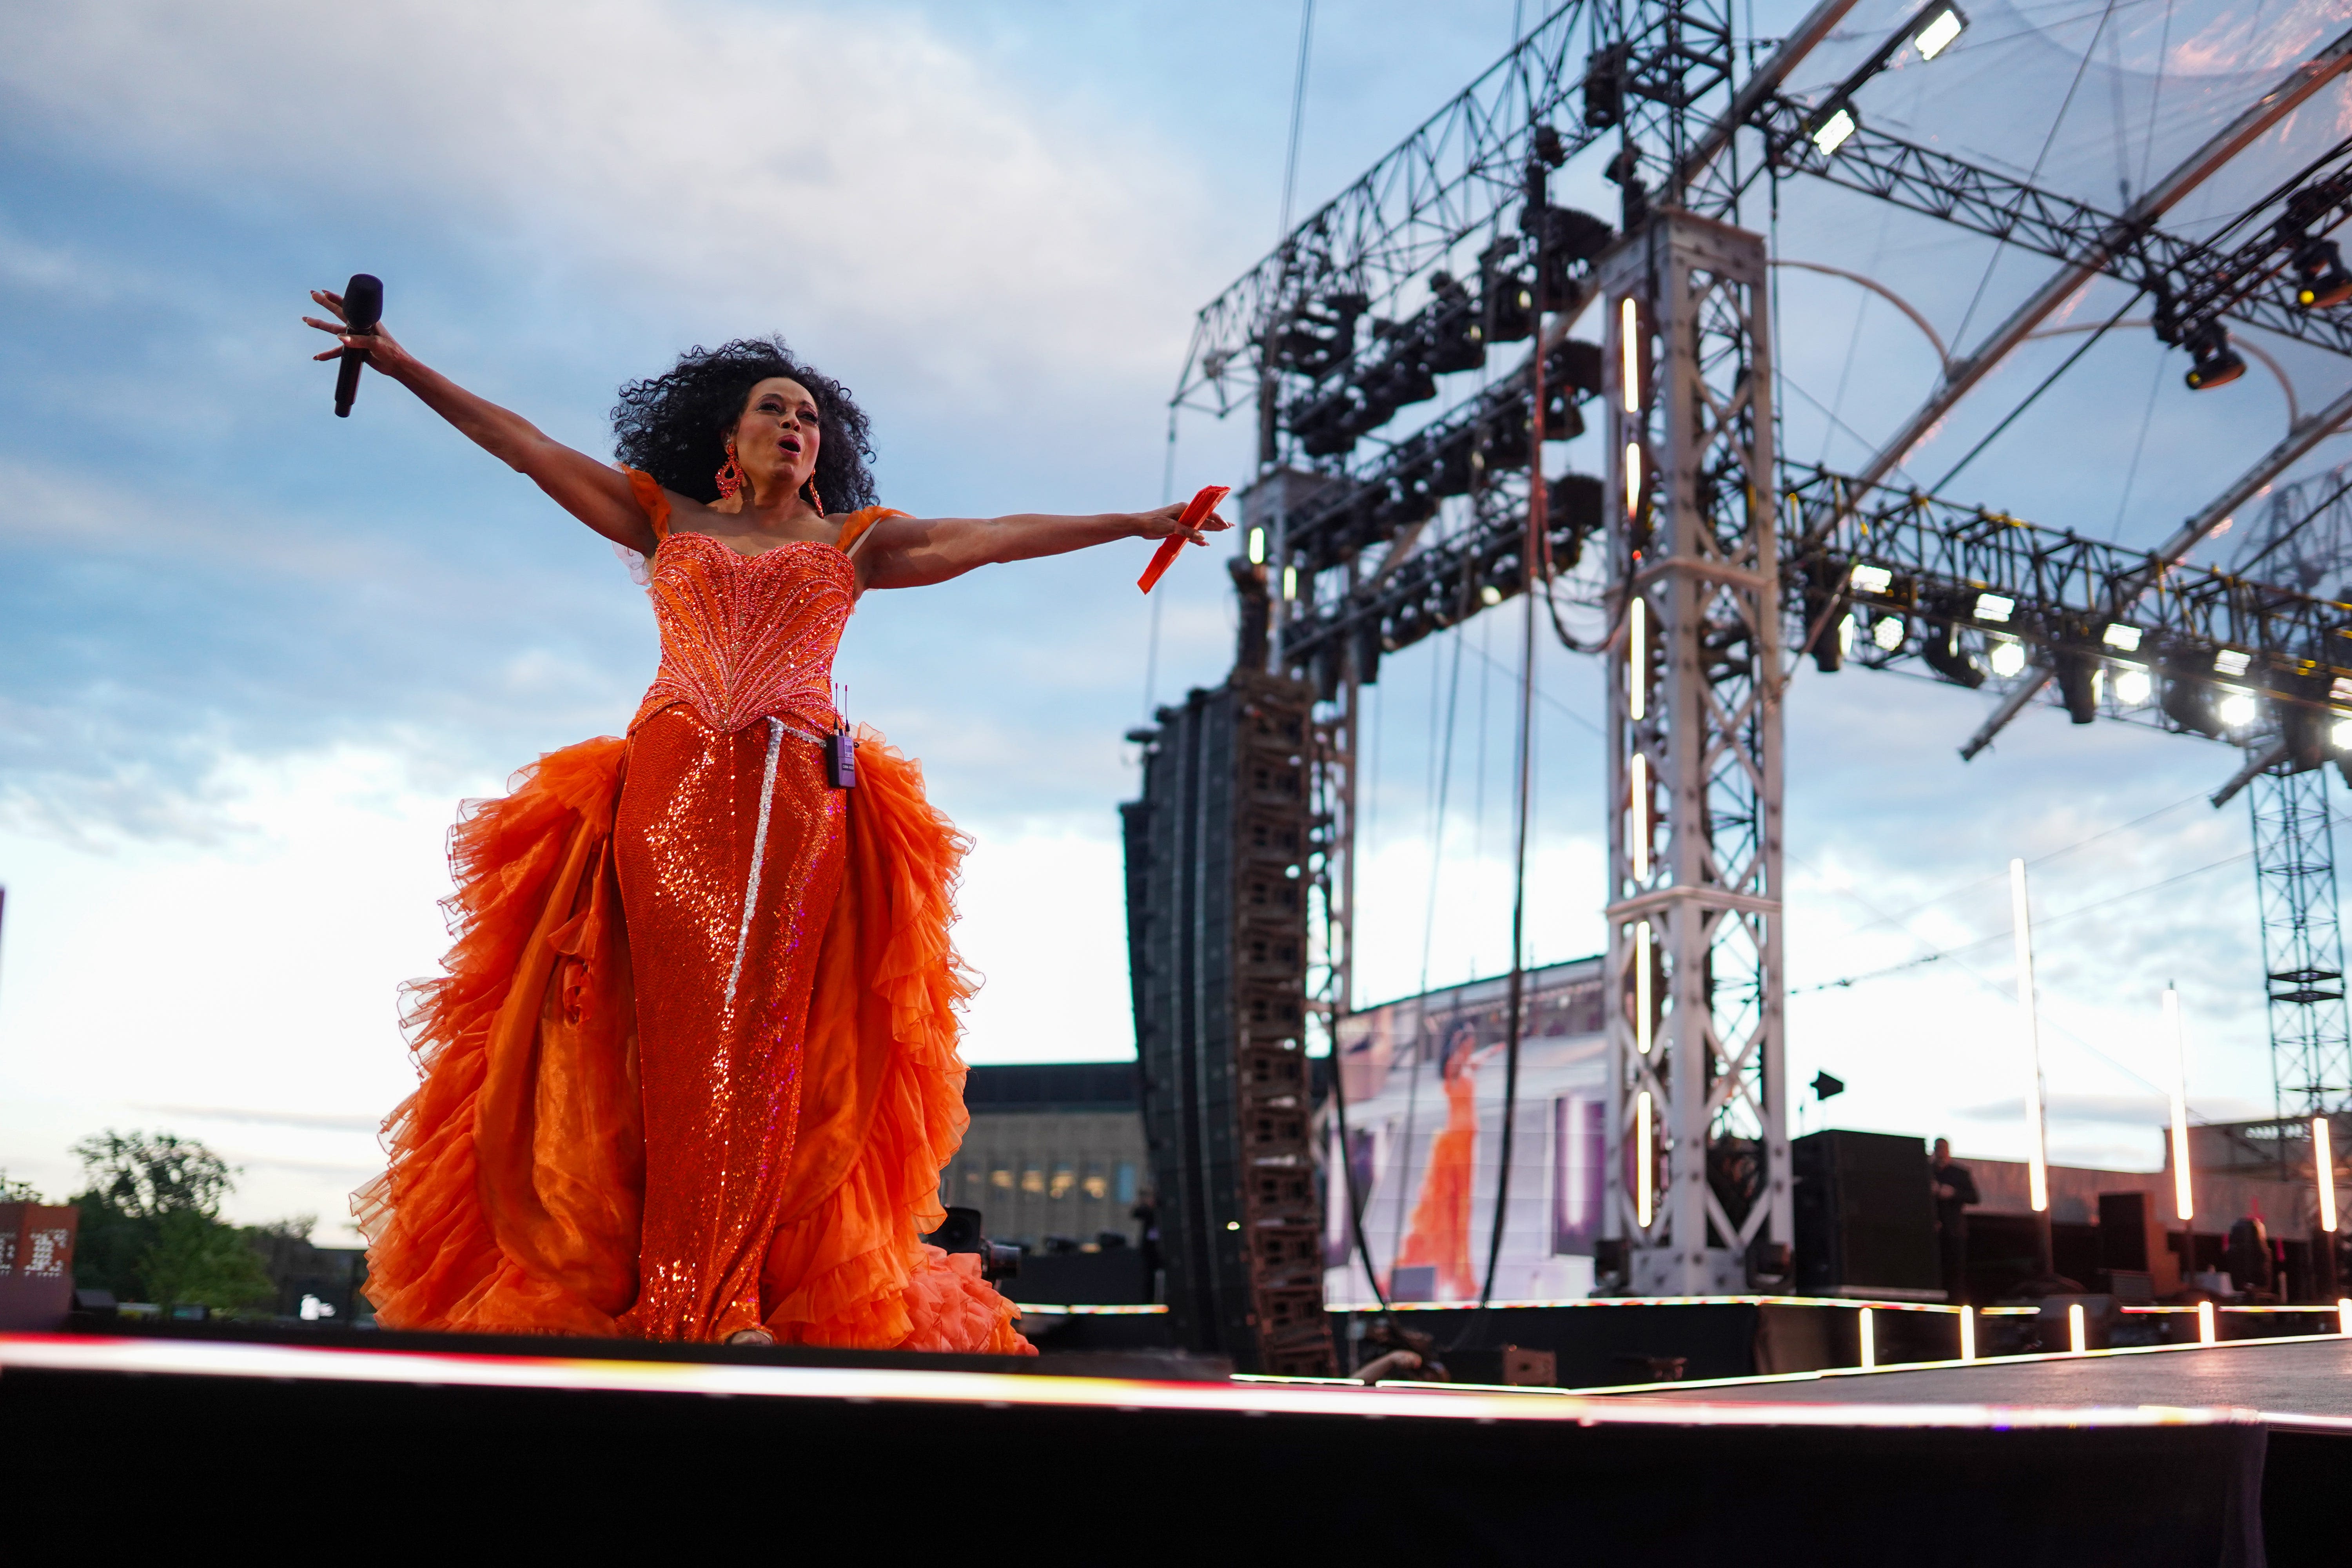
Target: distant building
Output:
[(1055, 1151)]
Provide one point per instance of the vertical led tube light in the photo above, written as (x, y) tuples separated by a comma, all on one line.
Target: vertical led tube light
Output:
[(2344, 1314), (2205, 1335), (2077, 1337), (1640, 826), (1644, 1162), (1968, 1334), (1628, 346), (1632, 478), (1637, 659), (2037, 1172), (1866, 1330), (2323, 1171), (2184, 1198), (1641, 1001)]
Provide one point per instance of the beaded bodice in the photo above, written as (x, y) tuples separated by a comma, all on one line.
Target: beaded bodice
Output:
[(744, 636)]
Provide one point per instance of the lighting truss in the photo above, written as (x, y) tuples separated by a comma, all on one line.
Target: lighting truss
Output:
[(1931, 563), (2248, 283), (1409, 213)]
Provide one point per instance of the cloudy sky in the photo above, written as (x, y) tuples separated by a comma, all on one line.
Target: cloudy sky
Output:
[(258, 655)]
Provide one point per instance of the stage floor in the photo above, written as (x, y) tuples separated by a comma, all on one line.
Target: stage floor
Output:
[(2303, 1382)]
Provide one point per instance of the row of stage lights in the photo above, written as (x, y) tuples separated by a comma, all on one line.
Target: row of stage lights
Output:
[(2316, 263), (2210, 702)]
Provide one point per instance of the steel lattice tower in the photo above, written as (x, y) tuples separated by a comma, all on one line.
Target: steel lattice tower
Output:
[(2303, 950), (1699, 1159)]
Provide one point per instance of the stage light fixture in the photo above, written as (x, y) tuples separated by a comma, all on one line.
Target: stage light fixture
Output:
[(2236, 709), (2232, 661), (1829, 130), (2339, 733), (1889, 633), (2216, 363), (2132, 684), (2121, 637), (1937, 30), (1490, 595), (1868, 579), (2341, 690), (1995, 607), (2078, 684), (2007, 657), (2324, 282)]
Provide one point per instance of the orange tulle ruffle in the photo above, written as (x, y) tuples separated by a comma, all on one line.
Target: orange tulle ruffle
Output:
[(512, 1198)]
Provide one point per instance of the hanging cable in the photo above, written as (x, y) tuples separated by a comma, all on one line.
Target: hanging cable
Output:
[(1428, 934)]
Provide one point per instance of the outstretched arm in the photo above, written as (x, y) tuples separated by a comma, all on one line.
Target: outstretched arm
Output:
[(912, 552), (595, 493)]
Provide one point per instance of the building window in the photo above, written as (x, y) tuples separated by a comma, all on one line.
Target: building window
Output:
[(1065, 1179), (1032, 1181), (1097, 1186), (1001, 1180), (1126, 1188)]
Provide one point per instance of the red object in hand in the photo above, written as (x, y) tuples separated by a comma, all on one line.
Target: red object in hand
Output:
[(1201, 505)]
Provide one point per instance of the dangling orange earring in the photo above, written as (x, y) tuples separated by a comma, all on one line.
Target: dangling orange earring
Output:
[(814, 499), (730, 477)]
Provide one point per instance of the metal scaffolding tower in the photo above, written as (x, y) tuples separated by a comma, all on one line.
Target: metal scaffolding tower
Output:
[(1698, 1160), (2303, 947)]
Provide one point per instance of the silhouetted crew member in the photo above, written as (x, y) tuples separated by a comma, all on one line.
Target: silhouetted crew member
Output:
[(1954, 1191)]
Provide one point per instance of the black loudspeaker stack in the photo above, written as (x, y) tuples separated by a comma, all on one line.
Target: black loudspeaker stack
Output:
[(1865, 1216)]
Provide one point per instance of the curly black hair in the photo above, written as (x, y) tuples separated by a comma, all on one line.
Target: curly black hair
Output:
[(674, 425)]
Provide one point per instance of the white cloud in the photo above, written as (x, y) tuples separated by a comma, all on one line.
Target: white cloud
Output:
[(847, 168)]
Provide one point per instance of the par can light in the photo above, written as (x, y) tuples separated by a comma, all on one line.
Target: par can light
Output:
[(2007, 657)]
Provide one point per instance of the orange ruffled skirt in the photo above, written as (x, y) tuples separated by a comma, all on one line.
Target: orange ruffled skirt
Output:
[(624, 1130)]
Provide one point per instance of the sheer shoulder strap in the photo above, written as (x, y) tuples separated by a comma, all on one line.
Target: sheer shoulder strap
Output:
[(859, 527), (648, 493)]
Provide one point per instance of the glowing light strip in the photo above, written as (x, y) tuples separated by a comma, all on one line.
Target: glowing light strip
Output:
[(1845, 1304), (2077, 1328), (2205, 1334), (1637, 658), (2037, 1172), (2184, 1201), (1628, 342), (2288, 1310), (1645, 1161), (1968, 1334), (1301, 1396), (1641, 817), (1096, 1310), (2323, 1165), (1826, 1374), (1632, 478), (1865, 1331), (1642, 988)]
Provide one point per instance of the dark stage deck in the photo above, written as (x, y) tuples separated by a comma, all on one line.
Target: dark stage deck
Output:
[(170, 1439)]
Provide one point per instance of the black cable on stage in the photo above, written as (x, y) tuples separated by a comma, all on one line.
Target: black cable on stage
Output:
[(1348, 1173)]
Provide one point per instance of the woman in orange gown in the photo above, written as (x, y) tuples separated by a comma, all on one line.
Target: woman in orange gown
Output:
[(1440, 1232), (692, 1071)]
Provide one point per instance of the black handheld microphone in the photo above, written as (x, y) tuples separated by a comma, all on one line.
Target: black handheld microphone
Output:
[(362, 308)]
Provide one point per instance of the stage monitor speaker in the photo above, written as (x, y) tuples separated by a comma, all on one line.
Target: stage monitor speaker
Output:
[(1865, 1216)]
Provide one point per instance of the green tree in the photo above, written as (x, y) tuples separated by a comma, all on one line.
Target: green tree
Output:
[(151, 1225), (13, 1191)]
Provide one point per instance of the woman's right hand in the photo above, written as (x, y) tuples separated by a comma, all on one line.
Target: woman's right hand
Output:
[(383, 353)]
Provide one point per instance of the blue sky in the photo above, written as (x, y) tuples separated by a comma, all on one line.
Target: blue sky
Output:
[(259, 654)]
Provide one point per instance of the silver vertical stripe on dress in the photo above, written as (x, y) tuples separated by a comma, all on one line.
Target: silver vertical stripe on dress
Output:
[(758, 853)]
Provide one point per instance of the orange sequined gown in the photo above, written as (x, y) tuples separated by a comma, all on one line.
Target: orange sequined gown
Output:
[(1440, 1232), (693, 1067)]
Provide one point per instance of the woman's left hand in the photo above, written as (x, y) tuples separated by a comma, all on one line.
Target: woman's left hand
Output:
[(1164, 521)]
